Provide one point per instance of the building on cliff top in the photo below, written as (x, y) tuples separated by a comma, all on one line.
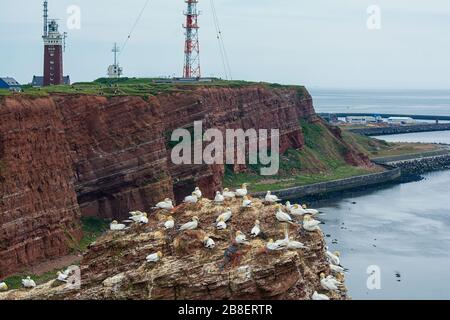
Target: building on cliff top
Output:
[(38, 81), (10, 84)]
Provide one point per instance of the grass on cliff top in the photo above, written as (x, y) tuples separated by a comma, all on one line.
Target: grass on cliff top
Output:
[(143, 87), (379, 148), (321, 159)]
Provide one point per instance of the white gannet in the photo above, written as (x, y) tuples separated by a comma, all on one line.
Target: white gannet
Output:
[(242, 192), (191, 199), (192, 225), (273, 246), (165, 205), (170, 223), (139, 217), (241, 238), (28, 282), (221, 225), (297, 210), (198, 192), (327, 283), (219, 198), (284, 242), (282, 216), (256, 229), (246, 202), (288, 206), (115, 226), (295, 245), (228, 194), (225, 216), (3, 286), (310, 211), (154, 257), (209, 243), (271, 198), (319, 296), (309, 224), (62, 276), (336, 269), (333, 257)]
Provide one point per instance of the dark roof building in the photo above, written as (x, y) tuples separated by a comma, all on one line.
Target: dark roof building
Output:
[(10, 84), (38, 81)]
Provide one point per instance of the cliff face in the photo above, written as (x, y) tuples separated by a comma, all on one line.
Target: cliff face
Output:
[(115, 266), (66, 155)]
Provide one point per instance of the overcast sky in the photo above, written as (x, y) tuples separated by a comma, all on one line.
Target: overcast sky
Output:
[(317, 43)]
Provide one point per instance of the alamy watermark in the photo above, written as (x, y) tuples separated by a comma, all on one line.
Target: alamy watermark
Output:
[(374, 280), (374, 20), (234, 148)]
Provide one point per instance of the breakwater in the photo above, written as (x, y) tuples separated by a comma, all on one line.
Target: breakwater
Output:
[(381, 131), (418, 165)]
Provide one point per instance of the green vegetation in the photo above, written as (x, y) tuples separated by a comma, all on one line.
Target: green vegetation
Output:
[(15, 282), (143, 87), (92, 228), (321, 159)]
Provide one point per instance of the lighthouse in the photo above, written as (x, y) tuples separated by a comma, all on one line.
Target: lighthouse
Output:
[(53, 51)]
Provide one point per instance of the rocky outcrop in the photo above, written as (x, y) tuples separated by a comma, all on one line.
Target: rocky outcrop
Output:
[(66, 155), (115, 266)]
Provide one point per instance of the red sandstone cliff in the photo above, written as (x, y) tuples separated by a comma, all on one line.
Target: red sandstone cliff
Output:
[(67, 155)]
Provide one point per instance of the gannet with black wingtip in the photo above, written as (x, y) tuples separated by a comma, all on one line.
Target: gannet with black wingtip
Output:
[(309, 224), (191, 199), (219, 199), (192, 225), (328, 283), (297, 210), (319, 296), (3, 286), (246, 202), (228, 194), (282, 216), (170, 223), (295, 245), (256, 231), (62, 276), (240, 238), (270, 198), (115, 226), (336, 269), (225, 216), (198, 192), (209, 243), (242, 192), (28, 282), (167, 204), (154, 257), (333, 257), (221, 225), (284, 242)]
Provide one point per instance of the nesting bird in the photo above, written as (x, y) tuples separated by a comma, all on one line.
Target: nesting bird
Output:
[(330, 283), (193, 198), (219, 199), (270, 198), (309, 224), (310, 211), (209, 243), (333, 257), (115, 226), (170, 223), (241, 238), (288, 206), (165, 205), (225, 216), (319, 296), (228, 194), (3, 286), (221, 225), (28, 282), (139, 217), (256, 231), (246, 202), (282, 216), (192, 225), (154, 257), (198, 192), (242, 192), (336, 269), (62, 276), (273, 246)]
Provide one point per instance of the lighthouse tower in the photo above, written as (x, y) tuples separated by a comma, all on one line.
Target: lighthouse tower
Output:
[(53, 51)]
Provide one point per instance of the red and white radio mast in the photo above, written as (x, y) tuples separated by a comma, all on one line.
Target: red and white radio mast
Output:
[(192, 46)]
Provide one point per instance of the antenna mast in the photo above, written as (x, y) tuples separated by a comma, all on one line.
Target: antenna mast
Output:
[(45, 19), (192, 46)]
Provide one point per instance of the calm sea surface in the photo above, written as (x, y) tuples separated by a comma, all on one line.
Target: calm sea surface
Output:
[(403, 229)]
